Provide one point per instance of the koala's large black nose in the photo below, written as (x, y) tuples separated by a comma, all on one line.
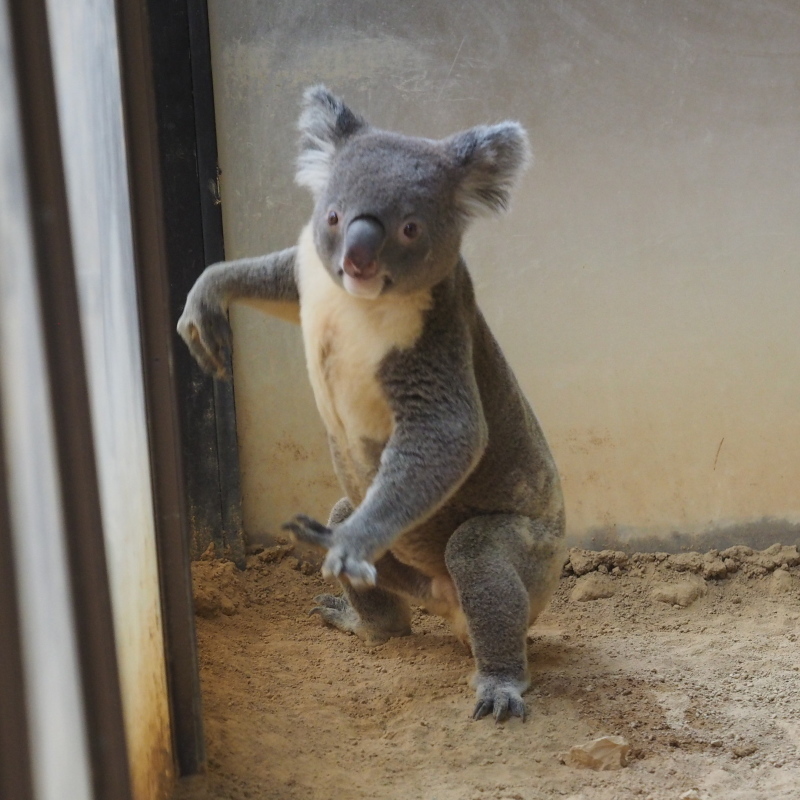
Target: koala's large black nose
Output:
[(362, 243)]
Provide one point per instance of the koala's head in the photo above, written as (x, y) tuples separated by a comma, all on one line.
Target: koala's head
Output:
[(390, 209)]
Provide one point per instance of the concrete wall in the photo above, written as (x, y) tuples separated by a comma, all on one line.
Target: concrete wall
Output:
[(645, 286)]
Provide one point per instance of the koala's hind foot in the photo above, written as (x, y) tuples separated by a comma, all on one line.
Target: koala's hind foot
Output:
[(498, 696), (504, 568), (374, 615)]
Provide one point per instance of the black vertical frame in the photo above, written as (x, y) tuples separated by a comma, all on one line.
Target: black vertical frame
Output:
[(172, 155), (213, 246), (69, 400), (161, 393), (184, 103)]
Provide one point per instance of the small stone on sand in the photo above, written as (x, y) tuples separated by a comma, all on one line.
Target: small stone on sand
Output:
[(605, 753)]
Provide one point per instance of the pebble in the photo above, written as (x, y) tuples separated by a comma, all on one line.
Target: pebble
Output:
[(605, 753)]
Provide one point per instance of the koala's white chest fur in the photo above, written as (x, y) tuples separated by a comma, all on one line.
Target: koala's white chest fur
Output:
[(346, 338)]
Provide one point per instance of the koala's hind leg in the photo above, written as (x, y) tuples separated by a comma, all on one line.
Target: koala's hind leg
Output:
[(374, 614), (505, 568)]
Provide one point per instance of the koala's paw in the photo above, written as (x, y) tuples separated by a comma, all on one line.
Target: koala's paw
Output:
[(207, 333), (343, 560), (340, 563), (500, 697), (338, 613)]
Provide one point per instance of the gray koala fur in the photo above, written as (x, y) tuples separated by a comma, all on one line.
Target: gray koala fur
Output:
[(452, 497)]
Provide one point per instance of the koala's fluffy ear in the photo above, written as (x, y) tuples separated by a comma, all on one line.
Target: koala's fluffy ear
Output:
[(325, 124), (488, 159)]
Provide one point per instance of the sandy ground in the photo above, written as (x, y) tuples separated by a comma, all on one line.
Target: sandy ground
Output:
[(693, 659)]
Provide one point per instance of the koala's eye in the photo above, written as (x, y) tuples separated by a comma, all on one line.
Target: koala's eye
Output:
[(333, 218), (410, 231)]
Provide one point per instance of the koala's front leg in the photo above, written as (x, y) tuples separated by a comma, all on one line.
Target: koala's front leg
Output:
[(431, 453), (204, 323), (342, 559)]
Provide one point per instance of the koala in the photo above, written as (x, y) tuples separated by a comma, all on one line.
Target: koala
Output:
[(452, 498)]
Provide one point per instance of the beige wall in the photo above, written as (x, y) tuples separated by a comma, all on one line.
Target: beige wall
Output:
[(645, 285)]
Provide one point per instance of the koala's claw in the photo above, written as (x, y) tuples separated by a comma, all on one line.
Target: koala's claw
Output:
[(482, 709), (502, 703), (308, 530)]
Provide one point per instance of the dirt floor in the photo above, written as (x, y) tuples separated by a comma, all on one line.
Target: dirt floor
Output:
[(693, 659)]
